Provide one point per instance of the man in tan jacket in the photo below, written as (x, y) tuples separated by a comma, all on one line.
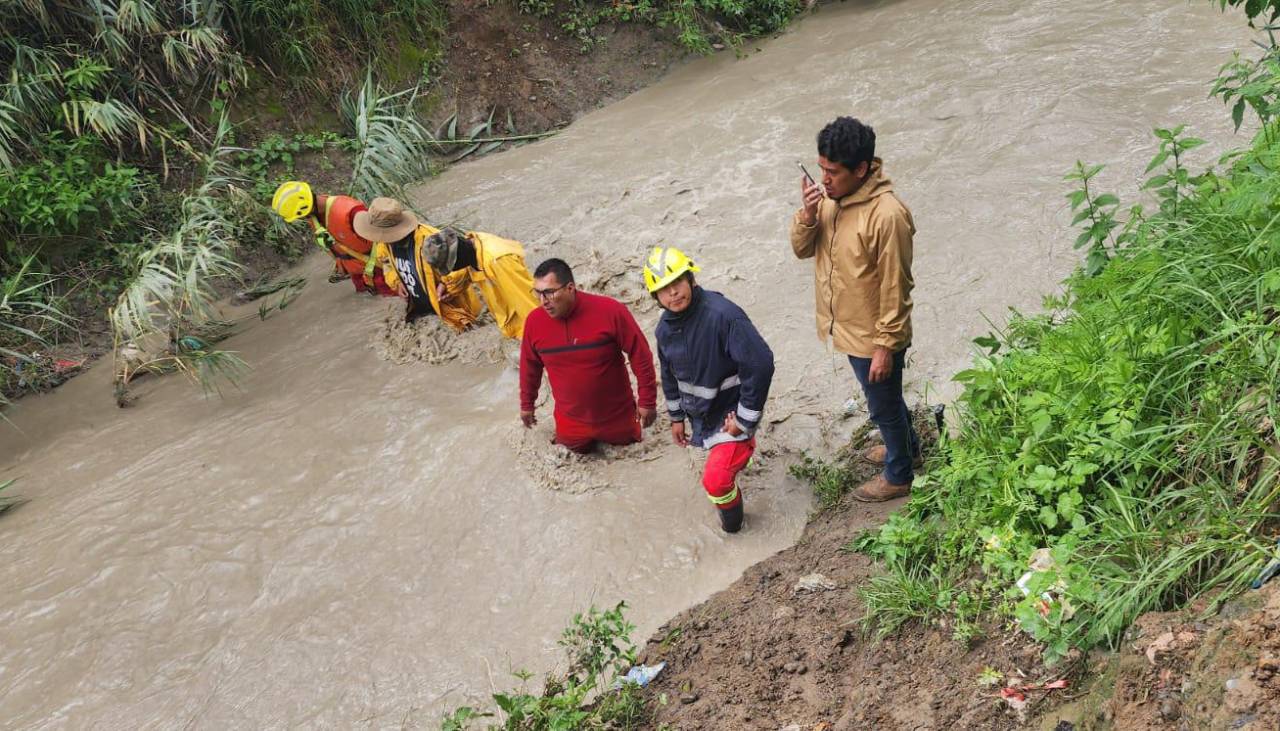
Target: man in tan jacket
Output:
[(859, 235)]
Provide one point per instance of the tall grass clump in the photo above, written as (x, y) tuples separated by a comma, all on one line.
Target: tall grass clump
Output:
[(168, 295), (26, 314), (392, 146), (306, 35), (1119, 451)]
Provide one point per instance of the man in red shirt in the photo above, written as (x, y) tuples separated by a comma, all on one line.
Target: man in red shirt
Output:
[(579, 339)]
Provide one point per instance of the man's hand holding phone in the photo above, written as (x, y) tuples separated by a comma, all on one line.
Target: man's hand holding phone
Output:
[(810, 195)]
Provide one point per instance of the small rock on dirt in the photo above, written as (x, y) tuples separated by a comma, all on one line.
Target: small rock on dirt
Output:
[(813, 583)]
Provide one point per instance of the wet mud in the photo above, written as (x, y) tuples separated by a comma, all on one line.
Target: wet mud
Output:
[(428, 340)]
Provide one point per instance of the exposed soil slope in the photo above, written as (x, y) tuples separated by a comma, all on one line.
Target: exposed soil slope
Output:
[(769, 652), (496, 57), (772, 653), (1181, 671)]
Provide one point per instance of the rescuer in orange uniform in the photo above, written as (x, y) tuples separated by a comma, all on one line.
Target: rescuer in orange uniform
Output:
[(332, 222)]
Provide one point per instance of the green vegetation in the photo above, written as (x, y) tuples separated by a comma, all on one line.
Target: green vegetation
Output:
[(392, 147), (1119, 451), (699, 24), (301, 36), (1253, 8), (120, 188), (830, 480), (589, 695), (25, 316), (7, 502)]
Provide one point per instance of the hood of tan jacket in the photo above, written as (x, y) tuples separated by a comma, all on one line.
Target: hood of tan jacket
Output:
[(862, 247)]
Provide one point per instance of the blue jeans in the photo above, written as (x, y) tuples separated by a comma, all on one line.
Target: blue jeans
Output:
[(890, 415)]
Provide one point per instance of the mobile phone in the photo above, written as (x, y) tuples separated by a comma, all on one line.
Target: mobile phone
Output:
[(806, 173)]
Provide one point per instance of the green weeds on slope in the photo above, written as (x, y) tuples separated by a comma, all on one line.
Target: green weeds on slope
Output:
[(589, 695), (1120, 451), (700, 25)]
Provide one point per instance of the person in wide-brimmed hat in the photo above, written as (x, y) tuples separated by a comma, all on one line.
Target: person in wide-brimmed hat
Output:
[(493, 263), (385, 221), (399, 238)]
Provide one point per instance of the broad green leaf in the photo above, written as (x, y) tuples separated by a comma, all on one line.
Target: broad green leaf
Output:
[(1040, 422), (1157, 160), (1156, 182)]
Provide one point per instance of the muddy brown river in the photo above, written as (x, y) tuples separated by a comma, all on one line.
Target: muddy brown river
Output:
[(362, 535)]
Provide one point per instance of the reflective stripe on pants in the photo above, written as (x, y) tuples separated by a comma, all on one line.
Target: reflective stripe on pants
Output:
[(720, 476)]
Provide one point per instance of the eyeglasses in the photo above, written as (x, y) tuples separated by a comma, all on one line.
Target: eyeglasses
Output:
[(544, 294)]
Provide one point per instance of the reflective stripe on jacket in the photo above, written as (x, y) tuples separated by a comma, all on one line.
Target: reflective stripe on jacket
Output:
[(713, 361), (335, 232)]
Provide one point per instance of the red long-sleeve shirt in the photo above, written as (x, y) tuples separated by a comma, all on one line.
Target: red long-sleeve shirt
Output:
[(582, 355)]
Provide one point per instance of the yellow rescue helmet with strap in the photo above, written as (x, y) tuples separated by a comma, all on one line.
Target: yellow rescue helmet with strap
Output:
[(293, 200), (666, 264)]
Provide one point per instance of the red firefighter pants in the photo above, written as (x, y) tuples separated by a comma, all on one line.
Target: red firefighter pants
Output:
[(720, 475), (581, 437), (379, 284)]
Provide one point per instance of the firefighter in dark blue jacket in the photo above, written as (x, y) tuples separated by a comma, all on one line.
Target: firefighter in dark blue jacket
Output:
[(716, 371)]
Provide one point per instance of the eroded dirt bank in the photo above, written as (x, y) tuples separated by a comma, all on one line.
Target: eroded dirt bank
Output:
[(362, 534), (783, 648)]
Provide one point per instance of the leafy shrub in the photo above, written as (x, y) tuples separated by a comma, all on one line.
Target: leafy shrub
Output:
[(71, 190), (589, 695)]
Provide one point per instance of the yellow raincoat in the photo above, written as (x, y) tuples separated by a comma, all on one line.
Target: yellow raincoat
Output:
[(504, 280), (460, 308)]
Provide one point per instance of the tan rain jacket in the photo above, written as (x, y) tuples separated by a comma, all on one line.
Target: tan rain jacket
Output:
[(862, 247)]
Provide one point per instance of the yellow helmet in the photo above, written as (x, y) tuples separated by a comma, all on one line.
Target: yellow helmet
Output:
[(293, 200), (666, 264)]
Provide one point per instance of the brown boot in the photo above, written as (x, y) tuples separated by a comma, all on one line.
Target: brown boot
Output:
[(878, 490), (876, 455), (879, 454)]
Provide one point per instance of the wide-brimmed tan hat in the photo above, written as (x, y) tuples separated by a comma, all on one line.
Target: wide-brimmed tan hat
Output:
[(386, 221), (441, 250)]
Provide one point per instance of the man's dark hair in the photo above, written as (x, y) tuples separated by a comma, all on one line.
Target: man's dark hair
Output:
[(558, 267), (848, 142)]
